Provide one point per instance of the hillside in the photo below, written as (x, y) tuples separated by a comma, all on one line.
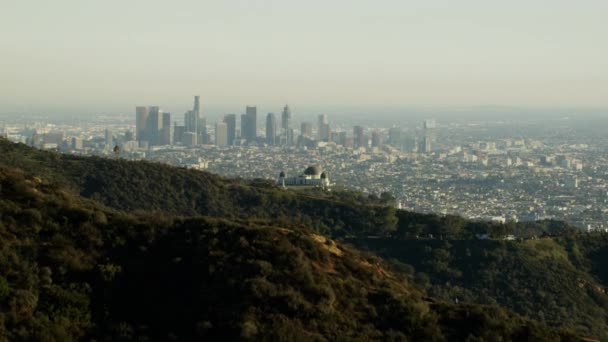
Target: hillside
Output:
[(126, 185), (73, 269), (536, 278)]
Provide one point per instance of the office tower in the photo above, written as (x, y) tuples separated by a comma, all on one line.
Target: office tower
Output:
[(286, 119), (358, 137), (221, 134), (190, 139), (306, 129), (427, 139), (154, 124), (230, 120), (243, 126), (141, 118), (271, 128), (323, 128), (194, 121), (286, 126), (290, 137), (190, 121), (376, 138), (251, 123), (166, 131), (109, 138), (203, 136), (178, 133), (197, 106)]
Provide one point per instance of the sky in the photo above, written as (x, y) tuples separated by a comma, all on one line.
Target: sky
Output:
[(110, 55)]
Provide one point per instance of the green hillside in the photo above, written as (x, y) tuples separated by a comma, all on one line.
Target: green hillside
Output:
[(72, 269)]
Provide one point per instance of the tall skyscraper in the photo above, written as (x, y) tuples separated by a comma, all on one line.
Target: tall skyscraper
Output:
[(323, 129), (359, 139), (190, 121), (166, 131), (141, 117), (427, 140), (230, 120), (221, 134), (244, 126), (197, 106), (286, 137), (286, 119), (178, 133), (306, 129), (195, 122), (249, 129), (271, 129), (154, 124)]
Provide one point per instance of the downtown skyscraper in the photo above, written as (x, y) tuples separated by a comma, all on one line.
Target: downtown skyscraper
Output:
[(271, 129), (249, 123)]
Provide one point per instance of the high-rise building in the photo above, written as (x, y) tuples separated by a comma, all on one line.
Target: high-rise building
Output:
[(190, 121), (359, 139), (323, 132), (427, 139), (166, 131), (244, 126), (221, 134), (197, 106), (306, 129), (141, 117), (251, 123), (189, 139), (286, 119), (195, 122), (271, 129), (230, 120), (154, 124), (286, 138), (178, 133)]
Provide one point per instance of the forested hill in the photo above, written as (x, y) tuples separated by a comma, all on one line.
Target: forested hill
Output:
[(128, 185), (127, 211), (71, 269)]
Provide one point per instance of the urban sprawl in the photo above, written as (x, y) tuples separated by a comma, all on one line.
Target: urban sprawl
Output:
[(491, 170)]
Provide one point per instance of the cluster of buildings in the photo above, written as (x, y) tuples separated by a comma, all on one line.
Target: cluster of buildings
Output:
[(155, 128), (484, 171)]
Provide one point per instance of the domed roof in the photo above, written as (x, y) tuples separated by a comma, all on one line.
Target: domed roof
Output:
[(323, 176), (282, 174), (313, 170)]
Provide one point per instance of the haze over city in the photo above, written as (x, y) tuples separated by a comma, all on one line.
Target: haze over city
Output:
[(86, 57)]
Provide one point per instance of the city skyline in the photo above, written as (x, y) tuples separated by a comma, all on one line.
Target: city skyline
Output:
[(354, 54)]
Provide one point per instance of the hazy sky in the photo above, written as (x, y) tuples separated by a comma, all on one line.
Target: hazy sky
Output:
[(110, 54)]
